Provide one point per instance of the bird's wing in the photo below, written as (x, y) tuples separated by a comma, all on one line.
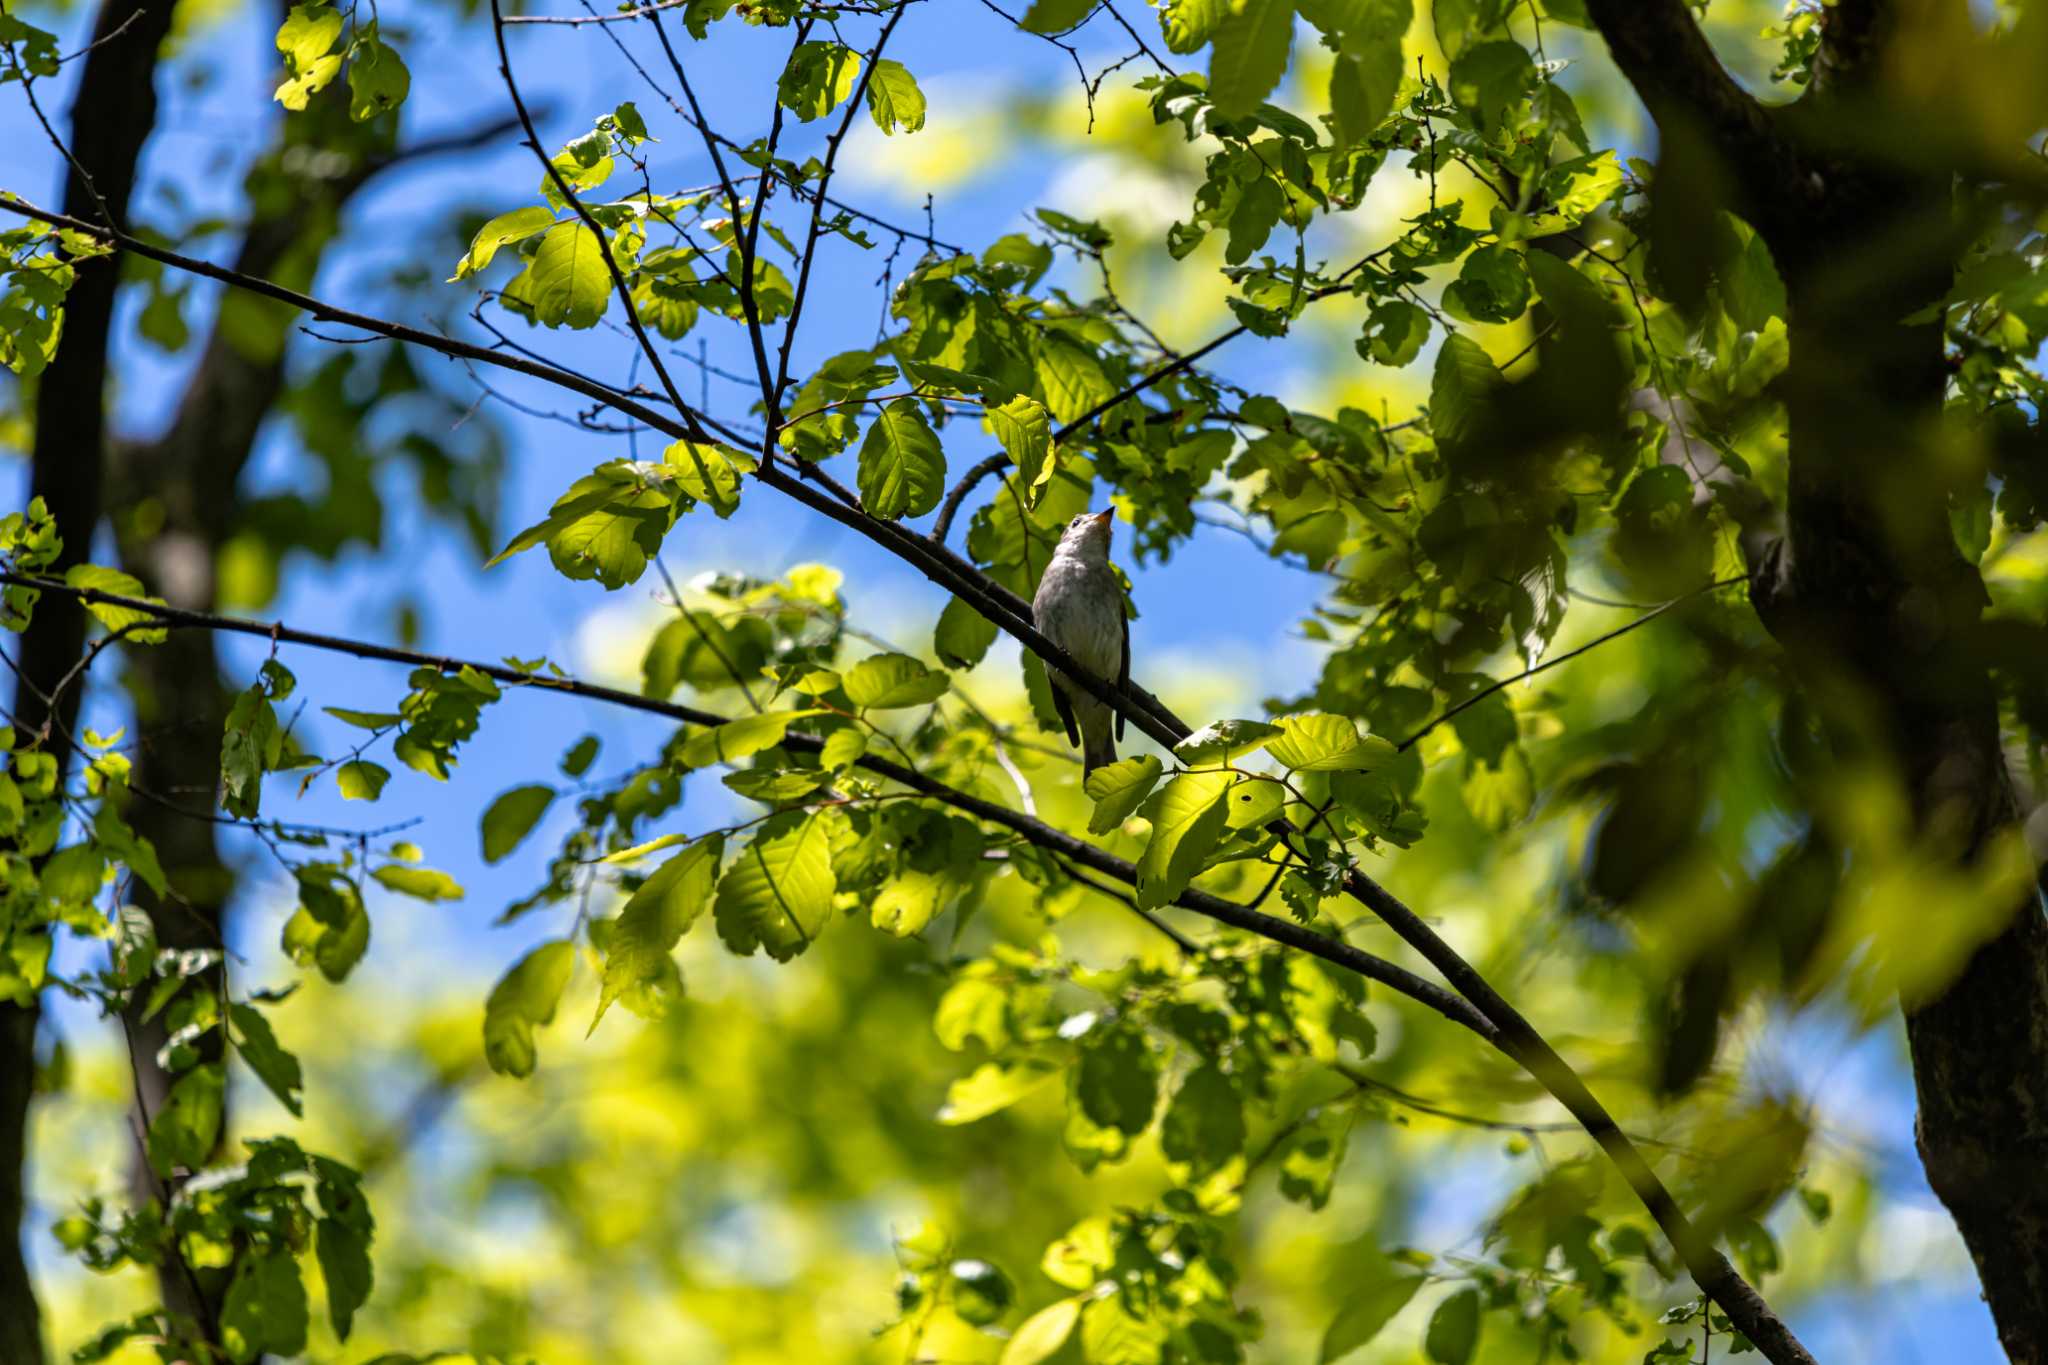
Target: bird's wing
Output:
[(1123, 668), (1065, 709)]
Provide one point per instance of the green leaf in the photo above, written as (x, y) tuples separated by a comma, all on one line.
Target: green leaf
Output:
[(1055, 16), (568, 284), (251, 744), (365, 720), (1024, 428), (92, 576), (511, 817), (1590, 182), (1118, 789), (1039, 1337), (1457, 23), (278, 1069), (134, 947), (1258, 210), (1072, 377), (843, 748), (884, 682), (1368, 1311), (1117, 1082), (963, 635), (343, 1250), (1308, 1172), (1188, 815), (1223, 740), (1499, 795), (710, 473), (1492, 286), (894, 101), (73, 875), (186, 1127), (778, 893), (817, 79), (505, 229), (992, 1087), (1394, 333), (1249, 55), (736, 739), (1189, 25), (265, 1309), (1254, 802), (1204, 1126), (1453, 1333), (1364, 79), (902, 469), (524, 999), (654, 920), (1461, 389), (1324, 743), (422, 883), (308, 34), (581, 755), (1489, 77), (361, 780), (377, 78)]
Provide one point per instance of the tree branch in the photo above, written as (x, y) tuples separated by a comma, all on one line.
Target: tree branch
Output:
[(611, 265), (1035, 831), (1664, 55)]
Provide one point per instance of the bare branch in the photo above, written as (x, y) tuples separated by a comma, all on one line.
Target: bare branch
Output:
[(625, 292)]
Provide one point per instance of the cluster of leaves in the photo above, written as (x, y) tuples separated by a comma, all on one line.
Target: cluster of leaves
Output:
[(378, 81), (36, 267)]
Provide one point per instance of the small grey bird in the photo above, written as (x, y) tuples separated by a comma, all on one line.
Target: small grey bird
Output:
[(1080, 608)]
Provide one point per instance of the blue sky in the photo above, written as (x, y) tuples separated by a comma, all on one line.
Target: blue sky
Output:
[(1228, 606)]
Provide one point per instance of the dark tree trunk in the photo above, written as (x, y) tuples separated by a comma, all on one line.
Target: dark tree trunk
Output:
[(1867, 593), (112, 114)]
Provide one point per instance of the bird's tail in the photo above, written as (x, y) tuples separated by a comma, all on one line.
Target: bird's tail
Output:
[(1098, 744)]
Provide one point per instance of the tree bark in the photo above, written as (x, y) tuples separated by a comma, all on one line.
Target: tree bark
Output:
[(112, 114)]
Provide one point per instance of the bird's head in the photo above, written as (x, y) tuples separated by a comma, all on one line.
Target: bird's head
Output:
[(1088, 535)]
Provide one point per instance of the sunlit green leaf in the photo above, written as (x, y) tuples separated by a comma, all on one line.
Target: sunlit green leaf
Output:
[(524, 999)]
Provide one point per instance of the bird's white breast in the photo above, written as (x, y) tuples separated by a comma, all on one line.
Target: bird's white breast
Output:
[(1080, 608)]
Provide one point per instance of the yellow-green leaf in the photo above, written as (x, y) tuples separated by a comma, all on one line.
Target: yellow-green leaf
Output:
[(778, 893), (422, 883), (736, 739), (884, 681), (1120, 788), (1187, 814), (524, 999), (1040, 1336), (361, 780), (501, 231), (654, 920), (894, 101), (992, 1087), (108, 614), (568, 284), (1324, 743)]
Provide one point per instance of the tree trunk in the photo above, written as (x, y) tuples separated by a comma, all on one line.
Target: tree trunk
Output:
[(1880, 613), (112, 114)]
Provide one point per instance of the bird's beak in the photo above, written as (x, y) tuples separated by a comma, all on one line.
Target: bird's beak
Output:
[(1102, 518)]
